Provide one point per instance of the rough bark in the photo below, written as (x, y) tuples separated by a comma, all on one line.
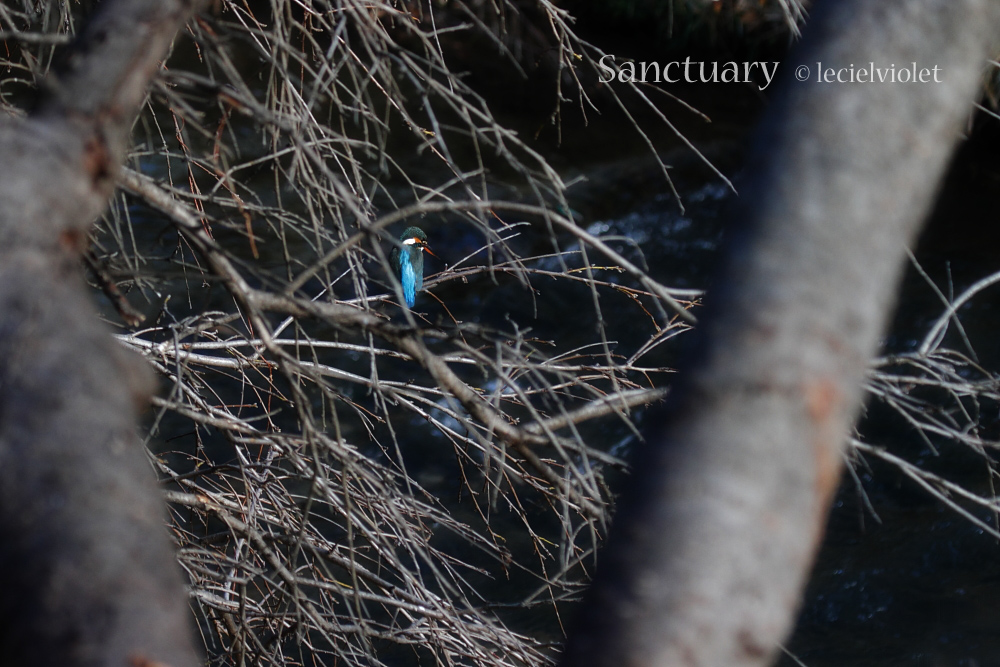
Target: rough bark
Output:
[(719, 527), (86, 565)]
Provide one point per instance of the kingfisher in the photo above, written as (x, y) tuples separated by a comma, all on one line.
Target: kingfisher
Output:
[(407, 261)]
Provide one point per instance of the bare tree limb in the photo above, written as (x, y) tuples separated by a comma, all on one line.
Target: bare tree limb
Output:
[(89, 572), (717, 532)]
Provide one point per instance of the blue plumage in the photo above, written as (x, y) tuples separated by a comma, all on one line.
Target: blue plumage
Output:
[(407, 261), (410, 279)]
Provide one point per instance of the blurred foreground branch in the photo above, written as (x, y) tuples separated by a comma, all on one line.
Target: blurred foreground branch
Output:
[(88, 572), (713, 542)]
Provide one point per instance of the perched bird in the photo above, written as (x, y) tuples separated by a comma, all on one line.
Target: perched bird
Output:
[(408, 262)]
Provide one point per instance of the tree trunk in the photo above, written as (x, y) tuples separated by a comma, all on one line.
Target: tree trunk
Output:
[(716, 534), (86, 566)]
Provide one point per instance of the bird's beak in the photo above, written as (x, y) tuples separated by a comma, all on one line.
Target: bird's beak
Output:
[(427, 248)]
